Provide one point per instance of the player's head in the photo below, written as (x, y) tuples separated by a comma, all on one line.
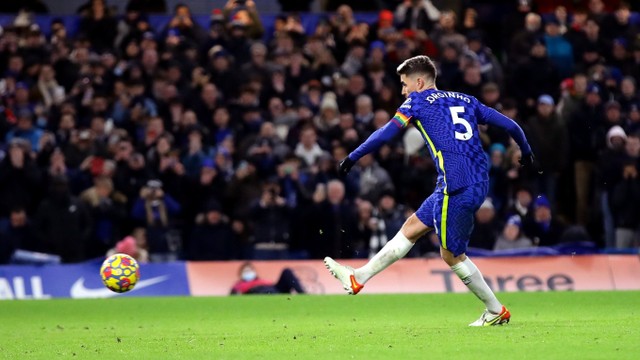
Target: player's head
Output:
[(417, 74)]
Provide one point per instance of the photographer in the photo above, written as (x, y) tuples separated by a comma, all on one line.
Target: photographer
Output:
[(245, 14), (183, 22), (158, 211), (271, 225)]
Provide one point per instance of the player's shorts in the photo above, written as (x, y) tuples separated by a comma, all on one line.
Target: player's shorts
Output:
[(452, 215)]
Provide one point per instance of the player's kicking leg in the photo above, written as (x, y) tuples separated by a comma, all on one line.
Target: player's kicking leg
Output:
[(353, 280)]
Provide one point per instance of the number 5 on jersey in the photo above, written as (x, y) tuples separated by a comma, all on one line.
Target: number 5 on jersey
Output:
[(455, 116)]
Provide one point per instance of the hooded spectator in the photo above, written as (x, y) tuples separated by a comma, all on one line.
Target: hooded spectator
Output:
[(512, 236), (542, 228)]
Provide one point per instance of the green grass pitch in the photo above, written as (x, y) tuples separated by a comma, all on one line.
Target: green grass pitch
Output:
[(563, 325)]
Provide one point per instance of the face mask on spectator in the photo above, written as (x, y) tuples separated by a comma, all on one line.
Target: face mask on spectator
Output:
[(248, 275)]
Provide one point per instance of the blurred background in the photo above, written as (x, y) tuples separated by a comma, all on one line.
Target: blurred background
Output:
[(210, 130)]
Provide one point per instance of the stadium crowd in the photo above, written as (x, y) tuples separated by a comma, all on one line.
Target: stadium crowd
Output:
[(221, 142)]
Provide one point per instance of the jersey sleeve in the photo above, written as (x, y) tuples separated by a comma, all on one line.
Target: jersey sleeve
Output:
[(403, 115), (492, 117), (376, 140), (399, 121)]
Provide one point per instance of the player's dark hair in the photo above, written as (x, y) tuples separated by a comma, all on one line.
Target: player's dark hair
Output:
[(421, 64)]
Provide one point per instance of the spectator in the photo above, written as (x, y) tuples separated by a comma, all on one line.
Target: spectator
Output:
[(592, 41), (625, 209), (573, 93), (490, 67), (108, 211), (244, 190), (130, 246), (449, 72), (16, 232), (585, 144), (498, 189), (270, 217), (245, 15), (559, 50), (548, 138), (486, 228), (20, 178), (370, 231), (391, 213), (213, 237), (535, 76), (629, 95), (471, 80), (63, 224), (158, 212), (542, 228), (610, 171), (521, 204), (333, 222), (50, 91), (445, 32), (267, 149), (525, 39), (618, 24), (373, 179), (209, 185), (25, 130), (250, 283), (182, 23), (513, 22), (417, 15), (98, 24), (308, 148), (512, 236)]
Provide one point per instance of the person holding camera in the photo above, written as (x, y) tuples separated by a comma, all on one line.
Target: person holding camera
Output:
[(270, 217), (183, 24), (244, 14), (158, 211)]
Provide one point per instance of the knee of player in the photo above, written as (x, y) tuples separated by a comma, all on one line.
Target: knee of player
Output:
[(450, 258)]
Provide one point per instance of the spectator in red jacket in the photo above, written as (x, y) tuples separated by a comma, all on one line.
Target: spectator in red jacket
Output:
[(250, 283)]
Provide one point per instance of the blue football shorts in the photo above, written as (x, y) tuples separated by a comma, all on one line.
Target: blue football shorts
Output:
[(452, 215)]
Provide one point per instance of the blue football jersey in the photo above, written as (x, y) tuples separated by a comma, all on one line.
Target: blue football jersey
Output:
[(448, 122)]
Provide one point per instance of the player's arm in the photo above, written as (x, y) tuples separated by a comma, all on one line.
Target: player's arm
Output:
[(492, 117), (375, 141)]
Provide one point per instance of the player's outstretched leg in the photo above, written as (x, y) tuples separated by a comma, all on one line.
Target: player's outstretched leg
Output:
[(345, 274), (353, 280)]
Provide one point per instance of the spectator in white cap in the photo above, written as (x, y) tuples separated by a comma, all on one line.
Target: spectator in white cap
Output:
[(610, 167)]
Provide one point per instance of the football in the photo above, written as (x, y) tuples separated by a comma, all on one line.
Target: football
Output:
[(120, 273)]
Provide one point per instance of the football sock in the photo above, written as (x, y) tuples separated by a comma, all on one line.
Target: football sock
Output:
[(393, 251), (471, 276)]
